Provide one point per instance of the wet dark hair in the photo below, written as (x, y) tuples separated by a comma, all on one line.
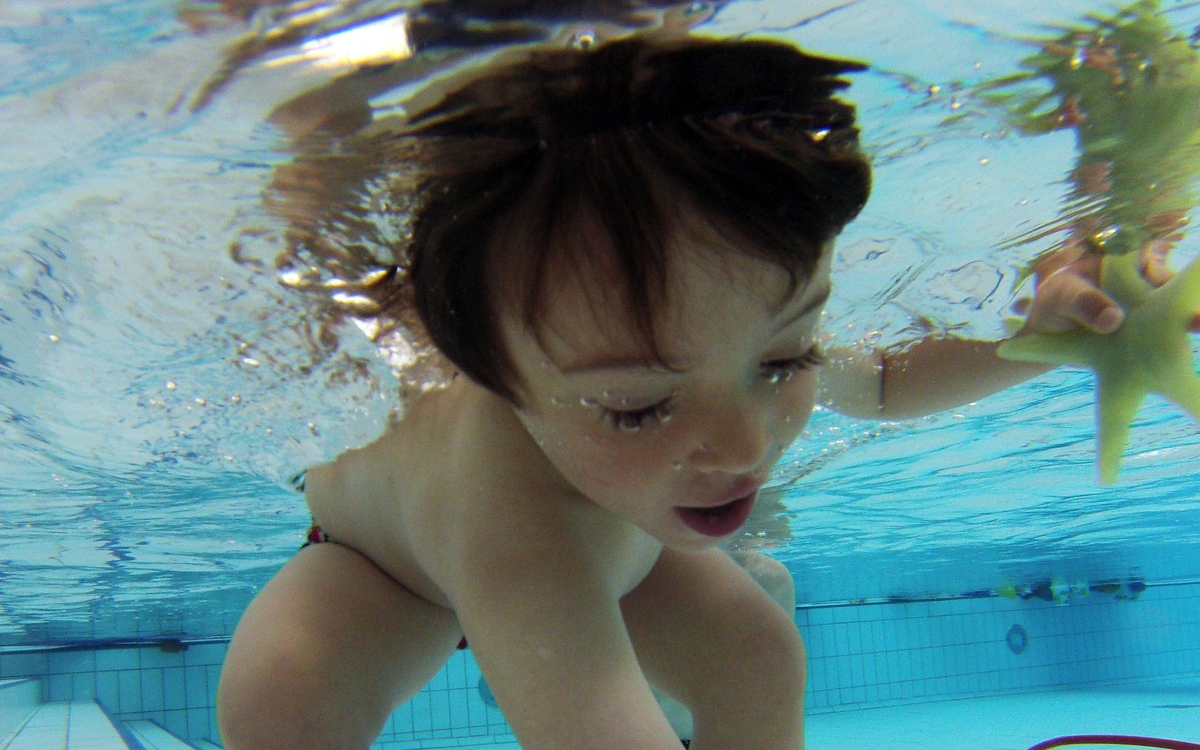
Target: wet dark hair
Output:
[(625, 137)]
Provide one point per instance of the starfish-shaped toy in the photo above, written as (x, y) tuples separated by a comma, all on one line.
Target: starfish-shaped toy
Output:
[(1128, 85), (1150, 353)]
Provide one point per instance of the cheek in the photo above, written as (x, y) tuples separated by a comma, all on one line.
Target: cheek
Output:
[(621, 459), (796, 404), (590, 455)]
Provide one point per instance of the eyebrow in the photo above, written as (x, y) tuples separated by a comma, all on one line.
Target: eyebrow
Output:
[(816, 303), (605, 363)]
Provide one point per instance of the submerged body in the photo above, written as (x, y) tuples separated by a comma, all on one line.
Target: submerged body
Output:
[(480, 529), (638, 342)]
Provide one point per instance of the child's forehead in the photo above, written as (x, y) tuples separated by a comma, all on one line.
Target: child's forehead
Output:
[(583, 316), (701, 260), (583, 291)]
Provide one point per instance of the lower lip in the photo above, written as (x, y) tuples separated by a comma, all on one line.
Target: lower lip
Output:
[(722, 520)]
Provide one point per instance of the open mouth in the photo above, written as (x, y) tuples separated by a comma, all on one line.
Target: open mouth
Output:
[(721, 520)]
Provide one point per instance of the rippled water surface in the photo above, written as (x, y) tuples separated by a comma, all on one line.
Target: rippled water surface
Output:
[(159, 385)]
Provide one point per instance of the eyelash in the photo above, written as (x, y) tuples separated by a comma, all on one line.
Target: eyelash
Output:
[(780, 371)]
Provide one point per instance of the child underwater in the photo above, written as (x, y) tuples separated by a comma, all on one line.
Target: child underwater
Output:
[(624, 251)]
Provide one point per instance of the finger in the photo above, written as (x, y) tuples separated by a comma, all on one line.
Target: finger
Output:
[(1066, 302), (1154, 263), (1095, 311), (1072, 251), (1062, 302)]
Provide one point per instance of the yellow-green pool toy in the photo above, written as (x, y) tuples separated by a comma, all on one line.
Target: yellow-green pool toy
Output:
[(1128, 85)]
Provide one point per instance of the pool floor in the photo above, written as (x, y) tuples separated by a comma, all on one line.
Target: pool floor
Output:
[(1014, 722)]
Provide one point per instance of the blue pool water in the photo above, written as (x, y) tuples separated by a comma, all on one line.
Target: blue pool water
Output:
[(156, 393)]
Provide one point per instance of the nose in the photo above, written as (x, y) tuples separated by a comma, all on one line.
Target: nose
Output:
[(736, 438)]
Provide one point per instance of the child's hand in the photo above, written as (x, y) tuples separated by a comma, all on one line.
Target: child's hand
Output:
[(1068, 293)]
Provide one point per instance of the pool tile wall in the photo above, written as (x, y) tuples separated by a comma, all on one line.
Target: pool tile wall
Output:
[(178, 691), (885, 654), (175, 690), (860, 655), (448, 710)]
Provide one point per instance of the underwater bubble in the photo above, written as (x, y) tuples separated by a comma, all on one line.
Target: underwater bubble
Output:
[(780, 377)]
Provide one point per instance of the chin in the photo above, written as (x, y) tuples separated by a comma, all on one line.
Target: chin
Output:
[(688, 541)]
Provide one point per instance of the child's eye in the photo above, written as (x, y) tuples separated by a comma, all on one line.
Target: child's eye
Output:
[(635, 419), (782, 370)]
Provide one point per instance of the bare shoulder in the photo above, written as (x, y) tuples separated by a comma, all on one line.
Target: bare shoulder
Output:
[(459, 490), (396, 500), (399, 459)]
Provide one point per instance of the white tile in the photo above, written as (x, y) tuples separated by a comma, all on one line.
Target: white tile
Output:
[(18, 700), (90, 729), (153, 736), (45, 730)]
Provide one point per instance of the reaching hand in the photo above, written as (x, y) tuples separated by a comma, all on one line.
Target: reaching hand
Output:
[(1143, 348), (1068, 294)]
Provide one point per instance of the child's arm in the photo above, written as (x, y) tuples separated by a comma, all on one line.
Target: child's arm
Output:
[(930, 376), (554, 631), (548, 633), (940, 373)]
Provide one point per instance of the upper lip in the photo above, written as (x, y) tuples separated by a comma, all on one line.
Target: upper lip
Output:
[(744, 488)]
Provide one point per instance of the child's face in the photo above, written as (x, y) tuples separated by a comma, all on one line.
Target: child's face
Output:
[(680, 452)]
